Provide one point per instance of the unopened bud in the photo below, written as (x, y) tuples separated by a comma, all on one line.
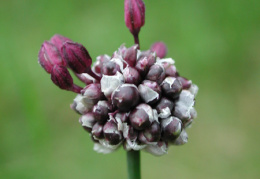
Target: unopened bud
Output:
[(58, 40), (160, 49), (156, 73), (134, 15), (171, 128), (164, 107), (87, 121), (125, 97), (99, 63), (169, 67), (149, 91), (110, 68), (123, 117), (152, 133), (139, 119), (49, 55), (130, 55), (76, 57), (101, 110), (185, 82), (92, 93), (111, 133), (97, 131), (171, 87), (142, 66), (131, 75)]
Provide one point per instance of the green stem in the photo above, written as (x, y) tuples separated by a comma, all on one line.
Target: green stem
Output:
[(133, 165)]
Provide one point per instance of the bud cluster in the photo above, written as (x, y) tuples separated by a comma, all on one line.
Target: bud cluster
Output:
[(141, 102)]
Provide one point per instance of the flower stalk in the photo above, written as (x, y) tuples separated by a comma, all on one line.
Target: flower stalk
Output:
[(133, 164)]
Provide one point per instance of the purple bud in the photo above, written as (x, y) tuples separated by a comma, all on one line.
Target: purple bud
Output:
[(49, 55), (58, 40), (125, 97), (61, 77), (76, 57), (142, 66), (149, 91), (131, 133), (110, 68), (164, 107), (111, 133), (123, 117), (139, 119), (130, 55), (185, 82), (171, 87), (131, 75), (92, 93), (134, 15), (99, 63), (156, 73), (152, 133), (101, 110), (171, 128), (97, 131), (87, 121), (170, 69), (160, 49)]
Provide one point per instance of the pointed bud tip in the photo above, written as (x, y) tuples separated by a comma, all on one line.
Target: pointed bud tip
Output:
[(160, 49), (61, 77)]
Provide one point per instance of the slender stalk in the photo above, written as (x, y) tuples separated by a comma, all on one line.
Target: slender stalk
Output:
[(133, 165), (136, 37)]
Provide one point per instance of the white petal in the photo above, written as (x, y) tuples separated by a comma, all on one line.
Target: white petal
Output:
[(85, 121), (194, 89), (157, 150), (102, 149), (147, 94), (182, 139), (148, 110), (118, 61), (134, 145), (165, 60), (165, 112)]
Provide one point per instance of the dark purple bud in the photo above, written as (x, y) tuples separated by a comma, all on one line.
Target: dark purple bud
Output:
[(76, 57), (156, 73), (131, 133), (152, 133), (131, 75), (171, 128), (87, 121), (123, 117), (130, 55), (125, 97), (170, 70), (160, 49), (142, 66), (100, 113), (92, 93), (60, 76), (151, 57), (139, 119), (111, 133), (58, 40), (97, 131), (110, 68), (134, 15), (149, 91), (164, 107), (99, 63), (171, 87), (185, 82), (48, 56)]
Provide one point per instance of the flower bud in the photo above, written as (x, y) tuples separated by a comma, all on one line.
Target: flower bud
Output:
[(125, 97), (123, 117), (92, 93), (156, 73), (151, 56), (48, 56), (130, 55), (149, 91), (160, 49), (101, 110), (171, 87), (110, 68), (87, 121), (129, 132), (76, 57), (142, 66), (168, 65), (131, 75), (134, 15), (97, 131), (182, 139), (111, 133), (139, 119), (58, 40), (152, 133), (164, 108), (99, 63), (60, 76), (171, 128), (185, 82)]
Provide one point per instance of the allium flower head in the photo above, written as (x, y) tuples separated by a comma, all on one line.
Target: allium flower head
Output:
[(133, 98)]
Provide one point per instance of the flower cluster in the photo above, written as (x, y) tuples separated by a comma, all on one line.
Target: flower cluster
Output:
[(132, 98)]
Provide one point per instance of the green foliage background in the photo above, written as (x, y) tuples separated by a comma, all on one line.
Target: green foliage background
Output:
[(215, 43)]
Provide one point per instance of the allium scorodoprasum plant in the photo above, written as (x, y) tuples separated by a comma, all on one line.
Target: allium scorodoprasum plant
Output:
[(133, 98)]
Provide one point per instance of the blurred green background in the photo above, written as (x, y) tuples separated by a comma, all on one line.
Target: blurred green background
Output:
[(215, 43)]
